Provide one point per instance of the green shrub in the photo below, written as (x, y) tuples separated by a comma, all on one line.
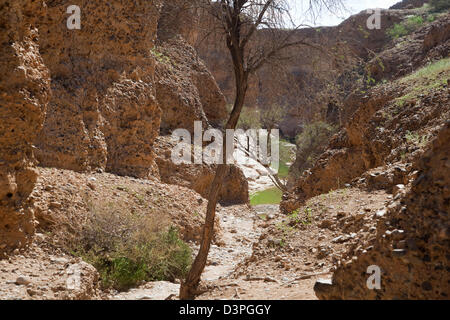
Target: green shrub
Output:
[(249, 119), (297, 217), (311, 143), (253, 118), (440, 5), (159, 56), (128, 249), (416, 139), (271, 117), (406, 27)]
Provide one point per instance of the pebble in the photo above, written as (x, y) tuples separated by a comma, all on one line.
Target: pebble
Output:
[(381, 213), (22, 281)]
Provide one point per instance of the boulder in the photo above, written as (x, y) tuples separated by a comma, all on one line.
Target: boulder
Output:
[(199, 176)]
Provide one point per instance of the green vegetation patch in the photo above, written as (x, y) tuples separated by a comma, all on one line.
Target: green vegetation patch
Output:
[(440, 5), (160, 57), (287, 157), (298, 217), (128, 249), (405, 27), (425, 80), (416, 139), (269, 196), (311, 143)]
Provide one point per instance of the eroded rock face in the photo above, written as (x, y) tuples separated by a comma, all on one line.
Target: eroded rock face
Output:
[(102, 78), (412, 241), (133, 120), (185, 89), (199, 176), (106, 109), (24, 92), (179, 17), (430, 42)]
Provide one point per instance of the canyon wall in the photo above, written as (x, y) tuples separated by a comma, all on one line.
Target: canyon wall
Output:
[(94, 98), (386, 122), (300, 84), (103, 113), (411, 242), (24, 94), (115, 89)]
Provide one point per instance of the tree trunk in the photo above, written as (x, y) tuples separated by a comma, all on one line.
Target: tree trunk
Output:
[(188, 289)]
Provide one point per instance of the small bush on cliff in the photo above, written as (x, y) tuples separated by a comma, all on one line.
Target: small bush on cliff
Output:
[(160, 57), (416, 139), (250, 119), (127, 249), (311, 143), (406, 27)]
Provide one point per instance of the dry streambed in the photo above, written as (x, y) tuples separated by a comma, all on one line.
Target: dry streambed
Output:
[(239, 232), (261, 254)]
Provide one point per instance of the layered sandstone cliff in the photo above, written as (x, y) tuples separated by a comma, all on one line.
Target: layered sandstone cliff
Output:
[(115, 90), (111, 88)]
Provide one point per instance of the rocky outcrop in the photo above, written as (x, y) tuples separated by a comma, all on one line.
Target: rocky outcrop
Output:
[(185, 89), (431, 42), (110, 84), (103, 113), (199, 177), (179, 18), (409, 4), (66, 199), (412, 240), (24, 94)]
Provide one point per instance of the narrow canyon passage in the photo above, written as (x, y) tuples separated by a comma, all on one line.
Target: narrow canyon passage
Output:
[(265, 255), (102, 198)]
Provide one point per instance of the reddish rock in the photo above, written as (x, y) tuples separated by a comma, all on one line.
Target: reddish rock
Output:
[(185, 89)]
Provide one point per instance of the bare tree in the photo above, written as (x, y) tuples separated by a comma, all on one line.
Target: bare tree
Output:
[(255, 33)]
